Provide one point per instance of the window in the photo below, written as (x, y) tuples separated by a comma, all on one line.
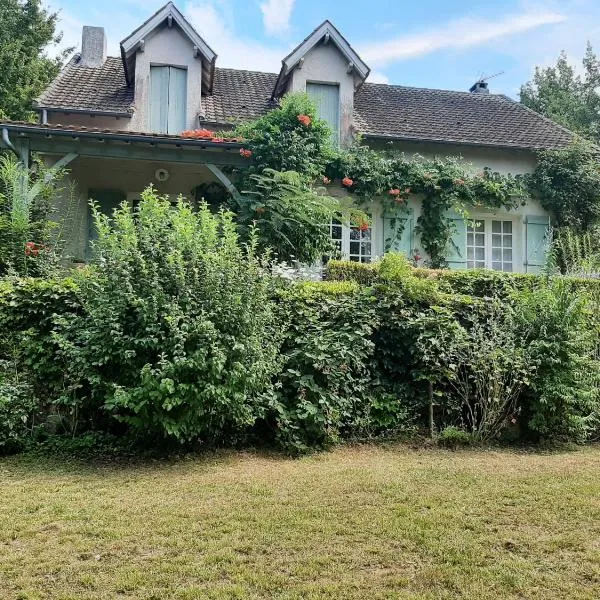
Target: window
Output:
[(490, 244), (168, 99), (351, 242), (327, 99)]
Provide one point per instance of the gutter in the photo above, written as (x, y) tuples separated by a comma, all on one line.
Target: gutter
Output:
[(120, 137), (79, 111), (6, 141)]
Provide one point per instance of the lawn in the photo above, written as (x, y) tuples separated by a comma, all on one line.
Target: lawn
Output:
[(358, 522)]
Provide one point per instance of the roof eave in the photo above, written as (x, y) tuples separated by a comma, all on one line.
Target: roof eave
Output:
[(85, 111)]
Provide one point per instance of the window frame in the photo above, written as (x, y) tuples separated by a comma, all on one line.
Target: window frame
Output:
[(489, 247), (344, 243)]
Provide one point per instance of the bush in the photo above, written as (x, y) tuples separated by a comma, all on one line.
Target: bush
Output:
[(559, 329), (325, 388), (177, 336), (453, 437)]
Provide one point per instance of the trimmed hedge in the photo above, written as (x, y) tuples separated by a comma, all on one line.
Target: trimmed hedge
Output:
[(473, 282)]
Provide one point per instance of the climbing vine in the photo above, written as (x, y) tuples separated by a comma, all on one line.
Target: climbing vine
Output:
[(292, 138)]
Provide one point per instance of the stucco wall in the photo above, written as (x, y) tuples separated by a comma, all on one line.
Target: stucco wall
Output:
[(326, 64)]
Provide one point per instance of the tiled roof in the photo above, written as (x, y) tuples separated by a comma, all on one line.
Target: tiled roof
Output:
[(94, 89), (238, 96), (452, 117), (389, 111)]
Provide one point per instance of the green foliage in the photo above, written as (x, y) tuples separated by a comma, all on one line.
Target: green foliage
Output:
[(567, 183), (279, 141), (566, 97), (346, 270), (453, 437), (576, 254), (290, 217), (176, 337), (30, 243), (558, 328), (27, 30), (325, 389)]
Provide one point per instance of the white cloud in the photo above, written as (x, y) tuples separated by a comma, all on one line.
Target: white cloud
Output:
[(214, 24), (458, 34), (276, 15), (378, 77)]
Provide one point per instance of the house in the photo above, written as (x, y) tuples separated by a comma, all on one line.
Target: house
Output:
[(115, 121)]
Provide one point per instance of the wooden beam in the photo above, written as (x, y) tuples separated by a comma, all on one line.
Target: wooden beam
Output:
[(225, 181), (135, 151), (51, 174)]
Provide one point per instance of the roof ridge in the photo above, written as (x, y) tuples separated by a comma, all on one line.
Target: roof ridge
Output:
[(428, 89), (245, 71)]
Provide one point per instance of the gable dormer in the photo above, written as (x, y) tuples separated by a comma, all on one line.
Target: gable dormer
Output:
[(326, 67), (169, 66)]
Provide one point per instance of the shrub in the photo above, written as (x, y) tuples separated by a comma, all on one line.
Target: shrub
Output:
[(177, 336), (560, 333), (346, 270), (325, 387), (453, 437)]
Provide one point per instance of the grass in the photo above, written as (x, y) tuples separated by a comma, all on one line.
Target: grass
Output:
[(359, 522)]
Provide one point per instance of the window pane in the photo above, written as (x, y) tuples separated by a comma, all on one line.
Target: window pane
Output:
[(479, 239), (496, 227), (507, 268), (480, 253), (508, 241), (497, 266), (354, 247), (507, 228), (496, 241), (507, 255), (470, 253), (496, 254)]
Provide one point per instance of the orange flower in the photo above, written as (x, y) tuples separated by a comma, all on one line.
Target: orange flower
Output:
[(245, 152), (347, 182), (31, 249), (305, 120), (364, 226), (198, 134)]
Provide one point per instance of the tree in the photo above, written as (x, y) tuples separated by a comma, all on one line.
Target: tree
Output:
[(25, 68), (570, 99)]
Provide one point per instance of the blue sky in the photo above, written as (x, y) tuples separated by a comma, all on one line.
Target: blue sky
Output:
[(427, 43)]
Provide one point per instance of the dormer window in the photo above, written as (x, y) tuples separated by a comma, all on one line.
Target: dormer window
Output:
[(326, 97), (168, 99)]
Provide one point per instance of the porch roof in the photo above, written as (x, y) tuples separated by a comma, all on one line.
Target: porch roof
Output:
[(84, 141)]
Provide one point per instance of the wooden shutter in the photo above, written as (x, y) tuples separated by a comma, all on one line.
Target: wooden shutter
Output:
[(398, 232), (107, 201), (159, 99), (456, 255), (176, 120), (536, 231), (327, 99)]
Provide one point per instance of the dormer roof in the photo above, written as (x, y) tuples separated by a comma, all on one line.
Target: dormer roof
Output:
[(326, 33), (170, 15)]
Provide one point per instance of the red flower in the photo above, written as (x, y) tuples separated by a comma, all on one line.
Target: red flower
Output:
[(198, 134), (417, 257), (326, 180), (363, 226), (31, 249), (394, 192), (245, 152), (347, 182), (305, 120)]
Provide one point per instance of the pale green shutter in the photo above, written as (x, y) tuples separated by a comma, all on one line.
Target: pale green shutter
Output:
[(536, 231), (398, 232), (456, 254), (177, 100), (327, 99), (107, 201), (159, 99)]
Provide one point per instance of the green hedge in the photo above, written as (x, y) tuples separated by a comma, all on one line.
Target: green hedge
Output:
[(479, 282)]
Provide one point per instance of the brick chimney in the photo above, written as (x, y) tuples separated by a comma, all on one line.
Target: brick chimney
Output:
[(93, 47)]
